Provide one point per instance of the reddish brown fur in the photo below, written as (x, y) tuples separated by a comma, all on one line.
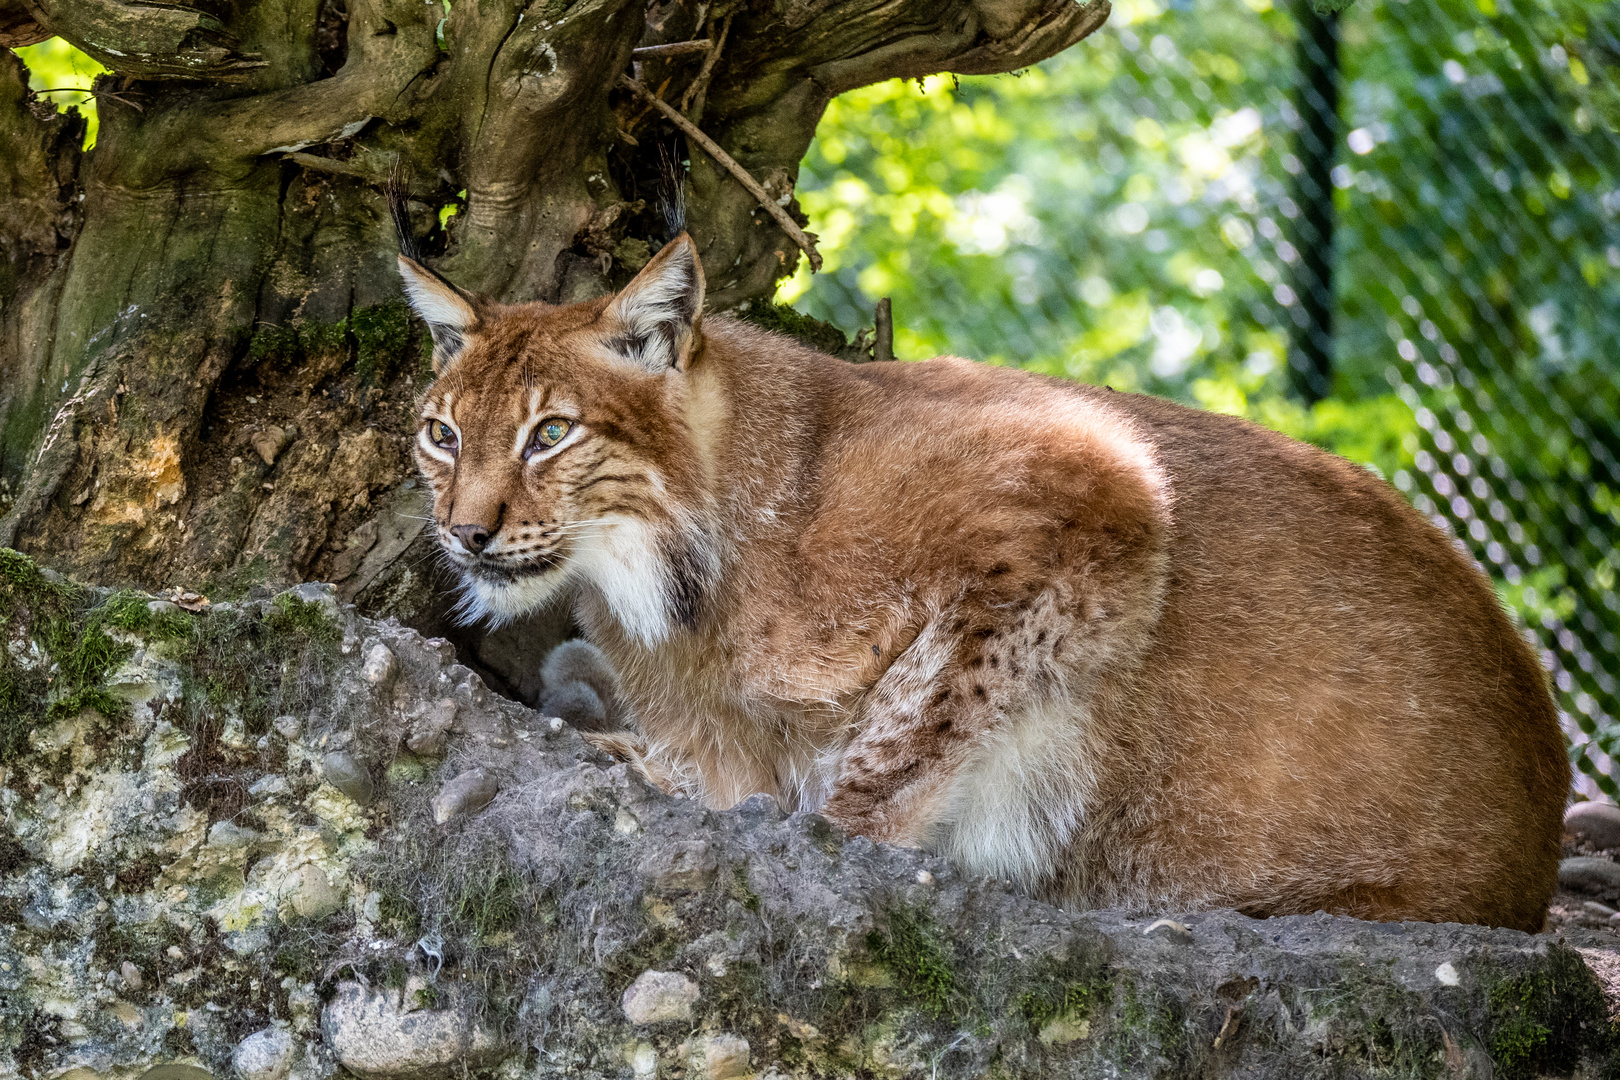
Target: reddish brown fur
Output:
[(1119, 650)]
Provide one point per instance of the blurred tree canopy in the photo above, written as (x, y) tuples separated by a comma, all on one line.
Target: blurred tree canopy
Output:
[(1121, 214)]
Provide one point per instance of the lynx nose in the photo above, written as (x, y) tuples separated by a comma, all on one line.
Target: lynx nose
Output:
[(473, 537)]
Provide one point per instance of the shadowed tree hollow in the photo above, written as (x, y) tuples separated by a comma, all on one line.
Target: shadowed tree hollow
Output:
[(206, 371)]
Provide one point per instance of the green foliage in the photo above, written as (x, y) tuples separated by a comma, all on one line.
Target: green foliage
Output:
[(488, 903), (914, 951), (64, 75)]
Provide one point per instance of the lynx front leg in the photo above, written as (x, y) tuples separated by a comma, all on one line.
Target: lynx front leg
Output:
[(955, 746)]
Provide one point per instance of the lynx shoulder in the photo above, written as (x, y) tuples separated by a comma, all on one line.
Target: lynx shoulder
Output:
[(1117, 650)]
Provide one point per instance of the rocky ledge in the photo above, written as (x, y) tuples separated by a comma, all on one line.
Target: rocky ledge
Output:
[(274, 839)]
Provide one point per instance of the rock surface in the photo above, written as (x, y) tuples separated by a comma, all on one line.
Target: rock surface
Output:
[(180, 886)]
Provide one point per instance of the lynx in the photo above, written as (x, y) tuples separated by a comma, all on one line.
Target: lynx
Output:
[(1114, 650)]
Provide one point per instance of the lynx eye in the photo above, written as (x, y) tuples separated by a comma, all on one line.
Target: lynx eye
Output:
[(550, 433), (442, 434)]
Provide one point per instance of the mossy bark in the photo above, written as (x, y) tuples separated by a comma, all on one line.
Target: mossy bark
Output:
[(200, 318)]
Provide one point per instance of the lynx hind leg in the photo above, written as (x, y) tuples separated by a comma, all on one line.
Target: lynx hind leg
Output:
[(631, 748), (581, 687)]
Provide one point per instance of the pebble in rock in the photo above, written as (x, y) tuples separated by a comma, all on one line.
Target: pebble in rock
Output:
[(312, 894), (375, 1039), (432, 727), (726, 1057), (270, 442), (130, 974), (466, 794), (380, 665), (265, 1055), (1589, 875), (1598, 823), (345, 772), (659, 995)]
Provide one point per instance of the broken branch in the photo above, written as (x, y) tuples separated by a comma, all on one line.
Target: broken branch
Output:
[(712, 148)]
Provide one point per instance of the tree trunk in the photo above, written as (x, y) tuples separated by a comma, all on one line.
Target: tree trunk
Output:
[(208, 374)]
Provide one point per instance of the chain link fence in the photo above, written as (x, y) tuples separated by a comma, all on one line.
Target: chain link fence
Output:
[(1392, 232)]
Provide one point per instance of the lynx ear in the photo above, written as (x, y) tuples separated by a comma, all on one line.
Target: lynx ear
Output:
[(659, 314), (445, 309)]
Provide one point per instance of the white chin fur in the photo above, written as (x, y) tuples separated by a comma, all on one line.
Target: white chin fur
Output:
[(499, 602)]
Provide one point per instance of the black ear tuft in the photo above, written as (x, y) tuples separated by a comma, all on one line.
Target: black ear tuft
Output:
[(671, 193), (398, 191)]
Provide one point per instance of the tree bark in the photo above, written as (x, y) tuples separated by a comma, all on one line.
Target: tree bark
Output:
[(208, 374)]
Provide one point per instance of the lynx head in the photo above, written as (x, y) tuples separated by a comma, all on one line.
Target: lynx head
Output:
[(559, 447)]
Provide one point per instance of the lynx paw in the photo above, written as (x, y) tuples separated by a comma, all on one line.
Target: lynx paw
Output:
[(631, 748)]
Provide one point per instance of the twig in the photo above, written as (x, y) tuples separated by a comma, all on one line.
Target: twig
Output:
[(91, 93), (696, 94), (674, 48), (883, 331), (726, 161)]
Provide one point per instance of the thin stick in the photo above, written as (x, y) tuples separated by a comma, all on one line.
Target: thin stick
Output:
[(712, 148), (696, 94), (883, 331), (674, 48)]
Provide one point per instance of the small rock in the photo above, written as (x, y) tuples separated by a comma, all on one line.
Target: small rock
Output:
[(659, 995), (312, 894), (288, 727), (373, 1037), (380, 665), (685, 866), (162, 607), (555, 725), (432, 727), (270, 442), (924, 877), (1602, 911), (131, 975), (466, 794), (270, 784), (1169, 929), (1598, 823), (265, 1055), (1447, 975), (725, 1057), (346, 773), (1589, 874), (227, 834)]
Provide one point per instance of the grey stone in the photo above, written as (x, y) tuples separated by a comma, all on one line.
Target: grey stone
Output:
[(657, 996), (1597, 823), (268, 1054), (1589, 874), (722, 1057), (228, 834), (131, 975), (349, 775), (372, 1035), (432, 728), (380, 665), (312, 895), (466, 794), (288, 727)]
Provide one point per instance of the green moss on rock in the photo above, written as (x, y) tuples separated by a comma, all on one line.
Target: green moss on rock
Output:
[(1546, 1022), (915, 952)]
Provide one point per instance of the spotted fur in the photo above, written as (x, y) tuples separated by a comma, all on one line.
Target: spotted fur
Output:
[(1118, 651)]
